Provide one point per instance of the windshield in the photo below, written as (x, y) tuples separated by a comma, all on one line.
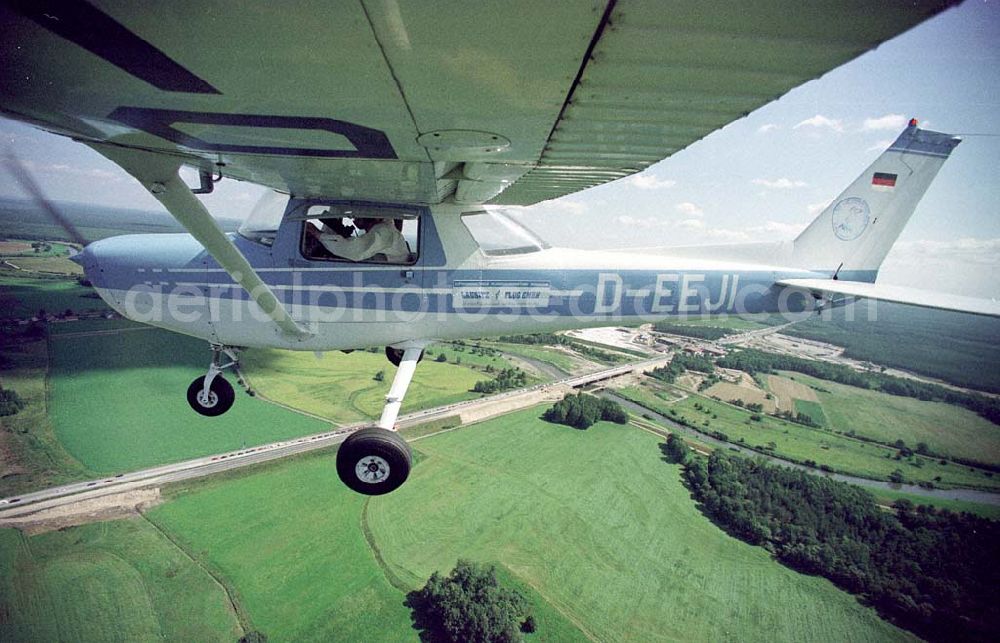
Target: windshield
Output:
[(262, 224), (499, 234)]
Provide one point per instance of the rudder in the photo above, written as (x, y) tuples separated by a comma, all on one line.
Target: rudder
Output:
[(852, 236)]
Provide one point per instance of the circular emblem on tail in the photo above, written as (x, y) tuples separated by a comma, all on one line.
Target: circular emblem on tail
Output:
[(850, 218)]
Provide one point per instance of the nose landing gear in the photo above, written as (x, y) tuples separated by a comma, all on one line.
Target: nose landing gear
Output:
[(212, 395)]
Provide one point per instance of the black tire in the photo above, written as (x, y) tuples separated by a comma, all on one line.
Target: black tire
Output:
[(395, 355), (374, 461), (221, 396)]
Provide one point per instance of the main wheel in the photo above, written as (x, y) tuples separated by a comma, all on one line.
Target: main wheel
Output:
[(220, 396), (395, 355), (374, 461)]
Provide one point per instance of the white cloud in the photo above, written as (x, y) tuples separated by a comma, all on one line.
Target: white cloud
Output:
[(819, 120), (889, 121), (689, 209), (691, 224), (63, 169), (727, 235), (629, 221), (813, 209), (964, 266), (967, 249), (777, 227), (766, 127), (880, 145), (779, 184), (649, 182), (561, 206)]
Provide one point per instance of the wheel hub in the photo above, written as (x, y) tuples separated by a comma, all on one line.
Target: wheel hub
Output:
[(372, 469), (208, 401)]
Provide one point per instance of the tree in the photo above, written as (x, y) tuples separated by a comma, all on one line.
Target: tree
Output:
[(10, 401), (675, 450), (441, 358), (379, 376), (582, 410), (253, 637), (896, 477), (469, 604)]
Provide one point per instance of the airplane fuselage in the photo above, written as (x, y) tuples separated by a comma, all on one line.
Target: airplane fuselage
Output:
[(452, 290)]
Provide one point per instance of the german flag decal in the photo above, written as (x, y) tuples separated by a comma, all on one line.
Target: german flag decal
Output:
[(884, 179)]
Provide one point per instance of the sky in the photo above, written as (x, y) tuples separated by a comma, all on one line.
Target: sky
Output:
[(763, 177)]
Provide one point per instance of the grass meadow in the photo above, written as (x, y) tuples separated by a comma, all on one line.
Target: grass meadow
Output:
[(799, 443), (604, 530), (25, 296), (31, 456), (592, 524), (120, 580), (117, 403), (342, 387), (946, 428)]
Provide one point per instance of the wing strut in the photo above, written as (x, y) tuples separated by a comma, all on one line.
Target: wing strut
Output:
[(158, 173)]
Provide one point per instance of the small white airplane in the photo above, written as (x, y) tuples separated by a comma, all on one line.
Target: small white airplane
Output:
[(428, 114)]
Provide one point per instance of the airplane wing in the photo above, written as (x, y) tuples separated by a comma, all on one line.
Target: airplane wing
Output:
[(420, 101), (829, 288)]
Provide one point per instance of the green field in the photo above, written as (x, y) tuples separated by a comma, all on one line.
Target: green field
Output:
[(342, 387), (289, 541), (610, 539), (118, 403), (57, 265), (561, 360), (946, 428), (25, 296), (799, 443), (814, 410), (120, 580), (605, 531), (31, 456), (887, 497)]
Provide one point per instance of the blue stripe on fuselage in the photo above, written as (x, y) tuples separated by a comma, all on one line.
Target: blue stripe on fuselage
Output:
[(566, 292)]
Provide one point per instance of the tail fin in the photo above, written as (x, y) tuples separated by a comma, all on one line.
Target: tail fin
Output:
[(853, 235)]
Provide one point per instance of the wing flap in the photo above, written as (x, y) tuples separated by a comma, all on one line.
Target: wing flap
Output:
[(829, 288)]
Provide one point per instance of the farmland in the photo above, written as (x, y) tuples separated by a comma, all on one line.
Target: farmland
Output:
[(946, 429), (143, 376), (800, 443), (31, 456), (634, 554), (24, 296), (120, 580), (342, 387)]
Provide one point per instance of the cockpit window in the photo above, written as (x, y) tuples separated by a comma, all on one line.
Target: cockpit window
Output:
[(498, 234), (262, 224), (359, 235)]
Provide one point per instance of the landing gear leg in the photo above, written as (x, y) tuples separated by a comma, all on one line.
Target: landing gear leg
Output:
[(212, 395), (377, 460)]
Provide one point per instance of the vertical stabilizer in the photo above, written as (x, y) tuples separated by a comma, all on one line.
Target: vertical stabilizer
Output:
[(855, 232)]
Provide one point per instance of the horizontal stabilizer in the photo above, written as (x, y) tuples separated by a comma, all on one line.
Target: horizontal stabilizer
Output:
[(827, 288)]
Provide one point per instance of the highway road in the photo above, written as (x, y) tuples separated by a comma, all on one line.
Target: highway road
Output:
[(198, 467)]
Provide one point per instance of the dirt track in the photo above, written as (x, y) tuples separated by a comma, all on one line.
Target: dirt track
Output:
[(109, 507)]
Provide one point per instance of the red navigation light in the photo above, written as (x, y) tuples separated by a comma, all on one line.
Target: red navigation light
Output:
[(913, 122)]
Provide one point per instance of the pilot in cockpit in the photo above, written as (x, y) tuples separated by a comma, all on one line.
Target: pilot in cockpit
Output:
[(368, 238)]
